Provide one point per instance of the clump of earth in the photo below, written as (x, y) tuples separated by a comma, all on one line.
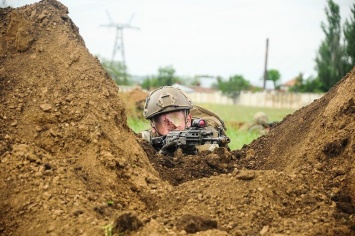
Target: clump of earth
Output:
[(134, 102), (70, 165)]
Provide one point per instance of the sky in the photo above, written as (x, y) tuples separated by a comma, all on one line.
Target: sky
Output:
[(206, 37)]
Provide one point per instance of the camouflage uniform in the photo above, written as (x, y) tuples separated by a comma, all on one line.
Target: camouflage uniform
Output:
[(260, 124)]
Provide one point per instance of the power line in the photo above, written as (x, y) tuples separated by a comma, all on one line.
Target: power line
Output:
[(118, 43)]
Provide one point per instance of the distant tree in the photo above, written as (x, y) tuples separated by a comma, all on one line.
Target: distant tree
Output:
[(116, 71), (330, 61), (233, 86), (275, 77), (166, 77), (216, 85), (308, 85), (146, 84), (195, 81), (349, 35)]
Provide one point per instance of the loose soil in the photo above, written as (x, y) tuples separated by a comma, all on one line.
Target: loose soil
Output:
[(134, 102), (70, 165)]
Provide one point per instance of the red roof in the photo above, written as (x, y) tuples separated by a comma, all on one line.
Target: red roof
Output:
[(291, 82)]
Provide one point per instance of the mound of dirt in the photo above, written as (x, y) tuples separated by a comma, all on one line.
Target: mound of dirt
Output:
[(298, 179), (67, 156), (70, 164), (134, 102)]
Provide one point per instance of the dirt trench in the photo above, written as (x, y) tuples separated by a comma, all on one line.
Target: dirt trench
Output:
[(70, 165)]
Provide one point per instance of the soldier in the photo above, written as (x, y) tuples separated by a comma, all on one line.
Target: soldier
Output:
[(169, 109), (260, 124)]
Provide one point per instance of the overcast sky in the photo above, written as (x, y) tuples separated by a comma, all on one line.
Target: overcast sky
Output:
[(206, 37)]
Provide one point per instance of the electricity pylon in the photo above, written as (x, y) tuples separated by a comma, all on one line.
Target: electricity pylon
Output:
[(119, 44)]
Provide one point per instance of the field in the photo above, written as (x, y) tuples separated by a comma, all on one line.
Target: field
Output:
[(234, 116)]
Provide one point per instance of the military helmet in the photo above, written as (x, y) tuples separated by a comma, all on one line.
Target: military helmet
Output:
[(261, 118), (166, 99)]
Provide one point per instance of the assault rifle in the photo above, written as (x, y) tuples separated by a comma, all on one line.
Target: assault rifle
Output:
[(188, 139)]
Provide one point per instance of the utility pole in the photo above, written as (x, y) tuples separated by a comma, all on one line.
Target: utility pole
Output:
[(266, 55), (119, 44)]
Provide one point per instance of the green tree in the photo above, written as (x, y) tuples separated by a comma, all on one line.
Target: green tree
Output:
[(166, 77), (330, 61), (308, 85), (146, 84), (233, 86), (116, 71), (275, 77), (195, 81), (349, 35)]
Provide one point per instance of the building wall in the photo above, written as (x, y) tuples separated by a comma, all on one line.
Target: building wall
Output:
[(276, 99), (270, 99)]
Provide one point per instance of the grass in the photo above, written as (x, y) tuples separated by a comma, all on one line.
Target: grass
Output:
[(245, 114), (138, 125), (230, 114), (108, 230), (240, 137)]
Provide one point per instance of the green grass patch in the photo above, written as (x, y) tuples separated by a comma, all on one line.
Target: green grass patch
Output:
[(240, 137), (138, 125), (245, 114), (107, 230), (232, 114)]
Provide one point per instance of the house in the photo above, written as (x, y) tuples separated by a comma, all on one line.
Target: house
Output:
[(287, 85)]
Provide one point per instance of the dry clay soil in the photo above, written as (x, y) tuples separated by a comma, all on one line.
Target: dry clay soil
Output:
[(70, 165)]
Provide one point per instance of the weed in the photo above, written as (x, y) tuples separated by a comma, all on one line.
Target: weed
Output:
[(108, 230), (110, 203)]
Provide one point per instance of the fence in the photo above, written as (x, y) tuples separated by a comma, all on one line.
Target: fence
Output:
[(275, 99), (272, 99)]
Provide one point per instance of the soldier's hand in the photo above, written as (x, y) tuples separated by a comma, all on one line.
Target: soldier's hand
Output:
[(169, 149)]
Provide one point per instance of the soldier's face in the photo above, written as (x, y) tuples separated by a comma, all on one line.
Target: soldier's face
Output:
[(175, 120)]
